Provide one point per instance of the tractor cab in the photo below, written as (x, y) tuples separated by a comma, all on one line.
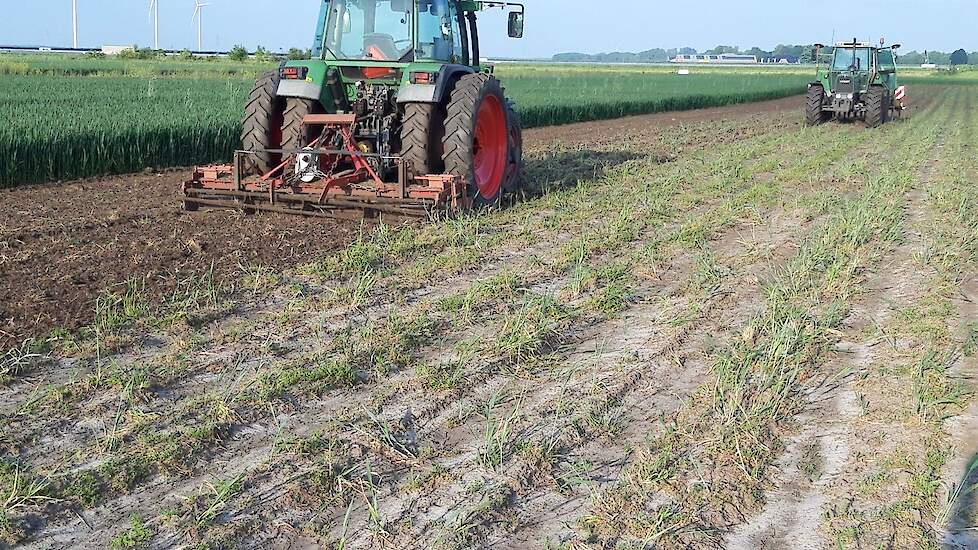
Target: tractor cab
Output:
[(404, 31), (854, 66)]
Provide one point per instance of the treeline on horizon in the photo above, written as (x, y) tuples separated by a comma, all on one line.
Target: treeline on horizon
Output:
[(804, 52)]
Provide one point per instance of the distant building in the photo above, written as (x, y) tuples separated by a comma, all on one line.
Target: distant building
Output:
[(781, 60), (722, 59), (718, 59), (736, 59), (116, 50)]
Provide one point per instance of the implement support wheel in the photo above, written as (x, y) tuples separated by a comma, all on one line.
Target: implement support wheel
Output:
[(477, 138)]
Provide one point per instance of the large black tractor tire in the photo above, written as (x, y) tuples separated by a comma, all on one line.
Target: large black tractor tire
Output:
[(294, 135), (476, 143), (877, 106), (262, 124), (422, 131), (814, 115), (514, 169)]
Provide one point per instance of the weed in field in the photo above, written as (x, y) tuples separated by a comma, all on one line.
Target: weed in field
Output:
[(441, 376), (935, 394), (497, 439), (213, 499), (464, 304), (463, 524), (325, 374), (116, 309), (402, 443), (530, 330), (17, 360), (117, 476), (136, 536)]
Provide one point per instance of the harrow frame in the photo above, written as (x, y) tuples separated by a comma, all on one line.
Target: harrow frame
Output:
[(354, 192)]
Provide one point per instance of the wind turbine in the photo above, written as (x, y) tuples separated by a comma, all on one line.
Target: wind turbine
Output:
[(154, 13), (74, 24), (199, 16)]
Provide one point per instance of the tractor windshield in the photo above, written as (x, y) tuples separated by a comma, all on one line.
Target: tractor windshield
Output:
[(851, 59), (374, 30)]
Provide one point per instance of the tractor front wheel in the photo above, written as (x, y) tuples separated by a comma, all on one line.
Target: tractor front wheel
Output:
[(877, 106), (477, 137), (814, 115), (262, 124)]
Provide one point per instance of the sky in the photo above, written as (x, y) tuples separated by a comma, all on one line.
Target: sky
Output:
[(552, 26)]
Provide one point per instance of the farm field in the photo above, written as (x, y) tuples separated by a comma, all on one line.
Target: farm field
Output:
[(90, 117), (698, 329)]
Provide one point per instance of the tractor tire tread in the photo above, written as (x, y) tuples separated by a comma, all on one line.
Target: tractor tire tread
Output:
[(459, 123), (514, 179), (814, 115), (262, 112), (876, 106), (421, 130), (296, 109)]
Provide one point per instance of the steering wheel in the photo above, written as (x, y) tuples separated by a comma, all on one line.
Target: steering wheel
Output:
[(406, 41)]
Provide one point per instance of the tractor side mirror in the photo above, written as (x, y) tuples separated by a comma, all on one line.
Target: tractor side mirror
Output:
[(516, 24), (895, 47)]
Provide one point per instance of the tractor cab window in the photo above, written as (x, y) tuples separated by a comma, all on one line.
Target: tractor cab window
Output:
[(851, 59), (438, 32), (317, 44), (374, 30), (886, 62)]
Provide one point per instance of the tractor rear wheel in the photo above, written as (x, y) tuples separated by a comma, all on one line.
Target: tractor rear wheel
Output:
[(877, 106), (422, 131), (814, 115), (514, 169), (262, 124), (294, 135), (476, 143)]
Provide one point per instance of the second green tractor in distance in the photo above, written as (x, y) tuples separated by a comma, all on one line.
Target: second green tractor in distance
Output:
[(395, 112), (856, 80)]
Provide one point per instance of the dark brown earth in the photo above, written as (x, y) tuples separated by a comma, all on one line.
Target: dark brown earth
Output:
[(62, 245)]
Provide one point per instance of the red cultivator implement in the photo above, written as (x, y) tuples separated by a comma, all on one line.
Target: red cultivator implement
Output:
[(337, 182)]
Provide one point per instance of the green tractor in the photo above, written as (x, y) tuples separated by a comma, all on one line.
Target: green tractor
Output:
[(395, 113), (857, 81)]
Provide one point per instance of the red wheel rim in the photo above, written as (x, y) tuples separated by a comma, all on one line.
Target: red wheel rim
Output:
[(489, 147)]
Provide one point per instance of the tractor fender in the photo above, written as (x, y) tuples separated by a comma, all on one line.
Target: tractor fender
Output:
[(433, 93), (300, 89)]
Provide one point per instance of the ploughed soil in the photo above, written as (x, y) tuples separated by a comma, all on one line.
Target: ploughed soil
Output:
[(62, 245)]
